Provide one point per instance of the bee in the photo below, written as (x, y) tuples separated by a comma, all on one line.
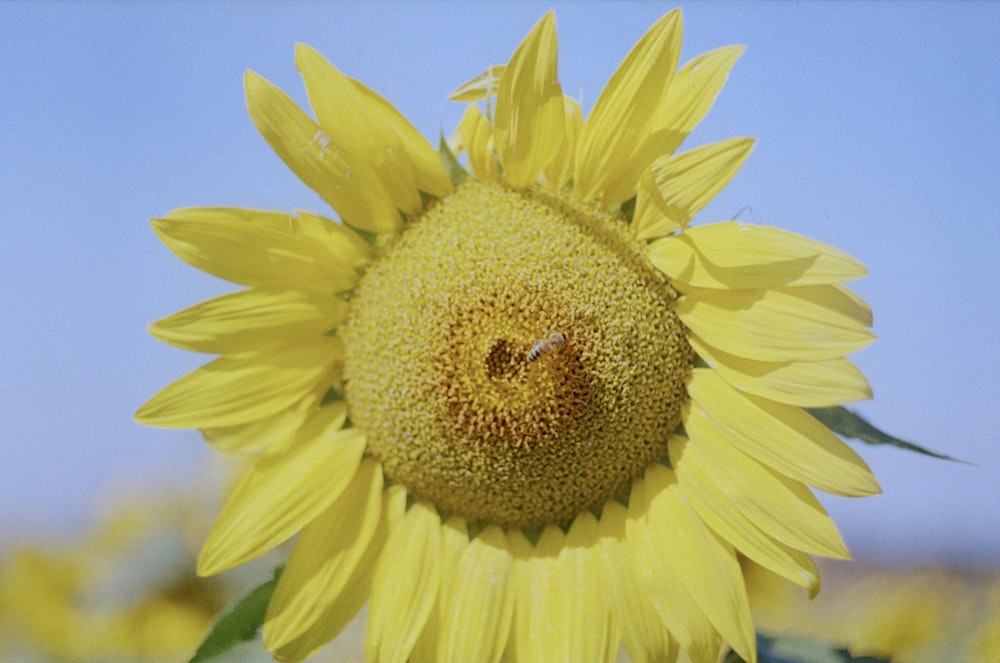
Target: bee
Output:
[(546, 345)]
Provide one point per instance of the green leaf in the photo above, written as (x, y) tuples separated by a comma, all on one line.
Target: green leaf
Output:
[(851, 424), (240, 624), (794, 649), (456, 172)]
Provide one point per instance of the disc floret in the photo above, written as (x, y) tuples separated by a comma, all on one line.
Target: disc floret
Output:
[(514, 358)]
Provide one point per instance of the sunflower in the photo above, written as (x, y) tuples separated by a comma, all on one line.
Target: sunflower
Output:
[(525, 412), (120, 591)]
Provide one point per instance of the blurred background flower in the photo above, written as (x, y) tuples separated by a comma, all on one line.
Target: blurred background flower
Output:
[(930, 614), (123, 588)]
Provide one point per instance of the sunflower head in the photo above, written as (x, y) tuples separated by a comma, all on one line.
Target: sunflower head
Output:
[(486, 372), (524, 410)]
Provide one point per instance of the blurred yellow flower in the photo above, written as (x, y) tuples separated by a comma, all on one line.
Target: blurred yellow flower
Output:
[(527, 411), (124, 591), (927, 614)]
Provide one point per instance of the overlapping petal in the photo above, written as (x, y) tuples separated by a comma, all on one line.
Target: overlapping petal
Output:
[(430, 645), (804, 383), (358, 588), (705, 563), (529, 119), (405, 587), (783, 508), (269, 435), (645, 636), (343, 244), (537, 635), (324, 558), (252, 320), (692, 92), (679, 186), (428, 171), (805, 323), (784, 437), (365, 124), (477, 140), (675, 605), (735, 255), (701, 487), (244, 388), (258, 248), (354, 124), (607, 154), (282, 493), (343, 178), (583, 611), (560, 171), (479, 604)]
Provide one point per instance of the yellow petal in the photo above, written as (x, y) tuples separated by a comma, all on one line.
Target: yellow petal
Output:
[(344, 179), (529, 119), (612, 137), (784, 437), (368, 126), (481, 87), (534, 628), (841, 299), (583, 614), (806, 384), (480, 603), (271, 434), (324, 558), (806, 323), (547, 616), (236, 390), (343, 244), (395, 500), (705, 563), (692, 92), (560, 171), (252, 320), (742, 256), (454, 540), (357, 590), (783, 508), (649, 218), (685, 183), (477, 140), (645, 636), (666, 592), (356, 127), (280, 494), (428, 170), (405, 587), (704, 488), (257, 248)]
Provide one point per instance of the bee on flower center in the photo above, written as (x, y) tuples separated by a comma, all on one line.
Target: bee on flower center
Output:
[(546, 345)]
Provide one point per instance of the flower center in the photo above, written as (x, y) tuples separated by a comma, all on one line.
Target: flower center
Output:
[(514, 359)]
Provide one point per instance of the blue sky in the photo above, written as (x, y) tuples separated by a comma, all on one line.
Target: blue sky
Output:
[(878, 130)]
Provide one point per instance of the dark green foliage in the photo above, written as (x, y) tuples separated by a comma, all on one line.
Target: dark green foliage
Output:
[(238, 625), (787, 649), (851, 424)]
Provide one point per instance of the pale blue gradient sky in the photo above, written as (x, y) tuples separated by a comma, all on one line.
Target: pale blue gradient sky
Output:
[(878, 131)]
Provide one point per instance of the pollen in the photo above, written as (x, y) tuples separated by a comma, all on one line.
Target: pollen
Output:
[(514, 359)]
